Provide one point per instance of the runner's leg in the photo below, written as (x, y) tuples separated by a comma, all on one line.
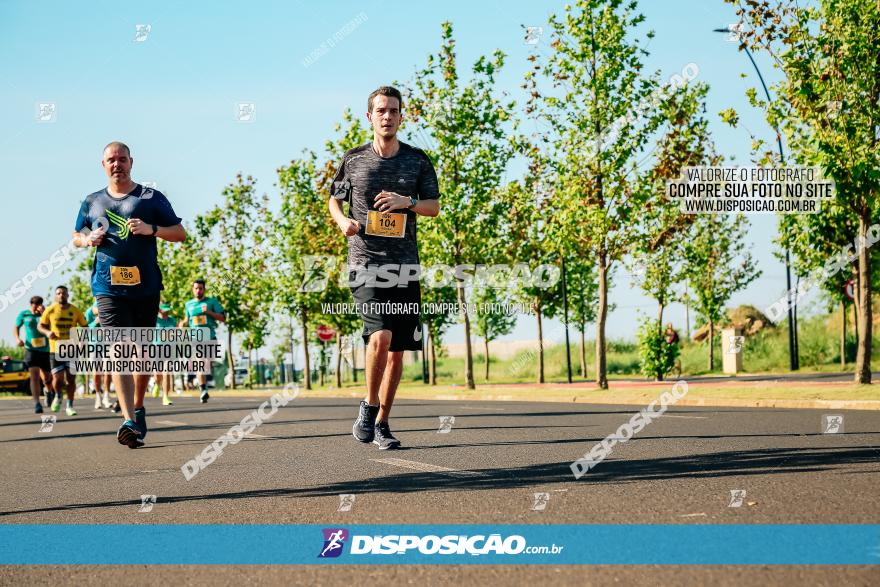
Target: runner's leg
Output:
[(390, 381), (377, 359), (36, 385)]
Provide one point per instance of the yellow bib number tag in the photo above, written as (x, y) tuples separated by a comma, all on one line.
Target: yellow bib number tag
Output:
[(38, 342), (385, 224), (199, 320), (124, 275)]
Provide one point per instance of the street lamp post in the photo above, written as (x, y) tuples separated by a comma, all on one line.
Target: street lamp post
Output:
[(794, 363)]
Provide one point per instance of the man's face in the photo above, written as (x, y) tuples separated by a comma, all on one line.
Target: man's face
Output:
[(385, 116), (117, 164), (198, 290), (61, 295), (35, 308), (40, 308)]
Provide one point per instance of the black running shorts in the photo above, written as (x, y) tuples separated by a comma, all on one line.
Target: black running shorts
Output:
[(128, 312), (392, 308), (38, 359)]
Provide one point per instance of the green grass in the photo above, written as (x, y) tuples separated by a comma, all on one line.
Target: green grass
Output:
[(766, 352)]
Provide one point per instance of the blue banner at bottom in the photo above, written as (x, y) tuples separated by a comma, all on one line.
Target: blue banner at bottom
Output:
[(635, 544)]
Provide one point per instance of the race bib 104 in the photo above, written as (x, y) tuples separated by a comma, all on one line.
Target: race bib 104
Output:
[(388, 224)]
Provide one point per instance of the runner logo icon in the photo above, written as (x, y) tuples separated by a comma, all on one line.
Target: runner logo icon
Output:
[(334, 540)]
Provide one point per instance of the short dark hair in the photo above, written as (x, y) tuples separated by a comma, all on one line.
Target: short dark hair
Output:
[(384, 91), (64, 287), (37, 300), (118, 144), (199, 281)]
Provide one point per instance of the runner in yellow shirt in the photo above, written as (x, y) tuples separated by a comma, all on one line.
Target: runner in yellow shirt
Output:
[(56, 323)]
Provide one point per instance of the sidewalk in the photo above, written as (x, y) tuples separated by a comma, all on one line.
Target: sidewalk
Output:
[(821, 391)]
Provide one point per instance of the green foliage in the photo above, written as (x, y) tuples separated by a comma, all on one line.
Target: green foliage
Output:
[(657, 356)]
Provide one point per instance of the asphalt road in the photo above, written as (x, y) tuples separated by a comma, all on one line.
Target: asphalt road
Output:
[(680, 469)]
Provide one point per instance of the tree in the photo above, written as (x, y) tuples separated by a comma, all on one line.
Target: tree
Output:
[(828, 108), (237, 263), (302, 238), (583, 298), (718, 265), (530, 232), (657, 356), (490, 322), (598, 115), (471, 153)]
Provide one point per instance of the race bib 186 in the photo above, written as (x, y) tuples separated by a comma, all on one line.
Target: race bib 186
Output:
[(124, 275), (38, 342), (388, 224)]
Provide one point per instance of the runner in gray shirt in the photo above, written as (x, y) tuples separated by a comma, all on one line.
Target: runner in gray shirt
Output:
[(388, 184)]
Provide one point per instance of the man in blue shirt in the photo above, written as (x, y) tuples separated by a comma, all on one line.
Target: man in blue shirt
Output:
[(123, 221)]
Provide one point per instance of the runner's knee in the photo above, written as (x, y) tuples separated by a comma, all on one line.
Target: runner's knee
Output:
[(381, 339)]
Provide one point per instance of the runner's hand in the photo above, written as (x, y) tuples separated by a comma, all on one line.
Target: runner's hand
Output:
[(138, 226), (96, 237), (388, 201), (53, 336), (19, 342), (352, 228)]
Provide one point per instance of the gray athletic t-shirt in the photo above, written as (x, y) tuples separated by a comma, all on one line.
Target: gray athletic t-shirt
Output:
[(361, 176)]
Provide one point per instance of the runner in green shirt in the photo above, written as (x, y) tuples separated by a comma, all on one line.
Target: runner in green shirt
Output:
[(36, 352), (203, 312), (164, 381)]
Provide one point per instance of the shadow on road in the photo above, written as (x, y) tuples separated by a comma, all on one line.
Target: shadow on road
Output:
[(720, 464)]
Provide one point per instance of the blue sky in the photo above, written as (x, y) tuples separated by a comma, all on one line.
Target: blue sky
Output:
[(173, 96)]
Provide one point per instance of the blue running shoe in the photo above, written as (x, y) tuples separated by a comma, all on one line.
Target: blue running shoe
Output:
[(128, 434), (140, 418)]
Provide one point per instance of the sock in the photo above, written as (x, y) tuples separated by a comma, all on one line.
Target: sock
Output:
[(205, 387), (140, 409), (70, 403)]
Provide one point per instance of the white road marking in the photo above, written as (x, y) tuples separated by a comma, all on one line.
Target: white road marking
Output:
[(171, 423), (688, 417), (691, 515), (426, 467)]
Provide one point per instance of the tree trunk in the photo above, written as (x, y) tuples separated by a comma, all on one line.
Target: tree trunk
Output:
[(469, 357), (843, 335), (338, 361), (249, 383), (583, 354), (602, 315), (711, 345), (307, 372), (231, 356), (432, 359), (322, 366), (486, 348), (863, 357), (537, 307), (660, 327), (354, 358)]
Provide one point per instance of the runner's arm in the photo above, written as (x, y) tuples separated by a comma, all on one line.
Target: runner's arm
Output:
[(16, 337), (173, 234), (348, 226), (45, 330), (390, 201)]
